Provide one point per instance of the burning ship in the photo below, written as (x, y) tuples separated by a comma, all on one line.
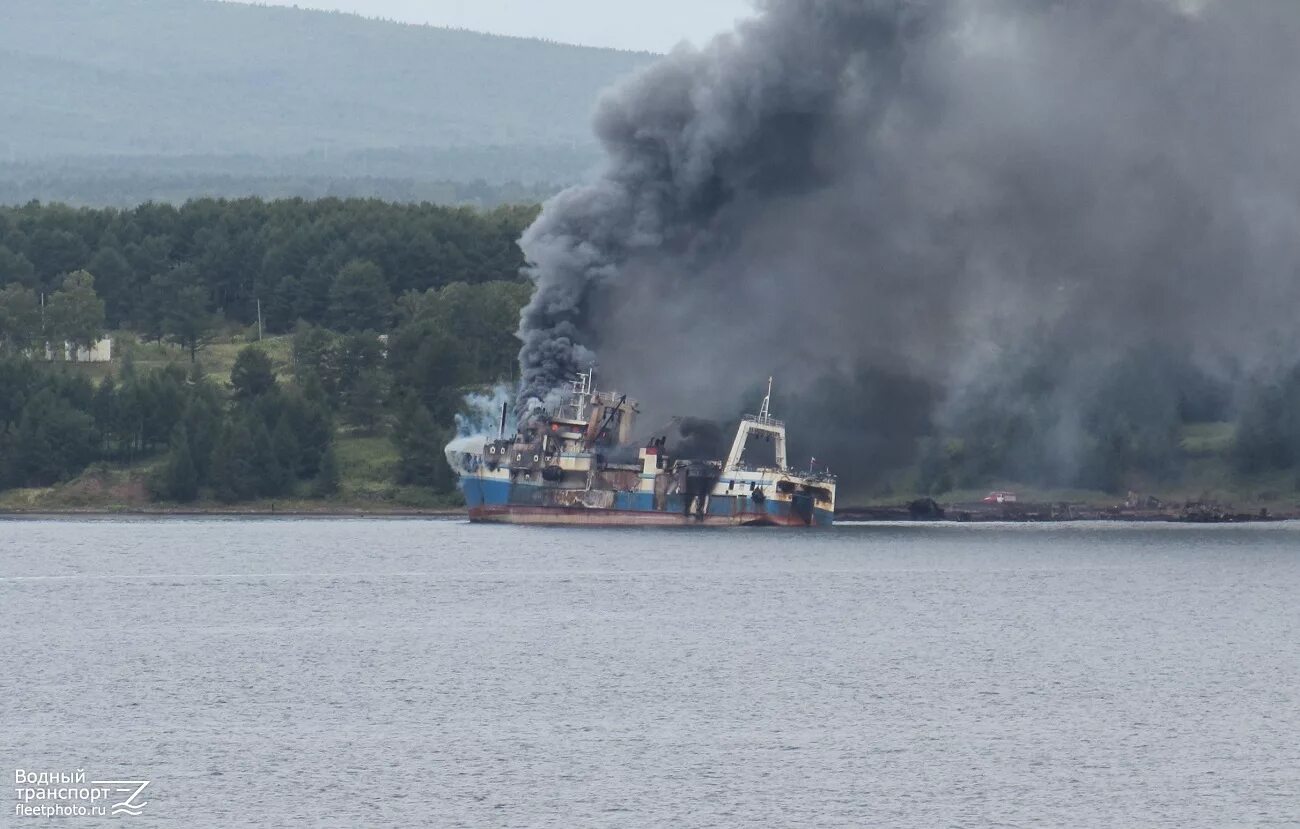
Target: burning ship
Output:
[(576, 466)]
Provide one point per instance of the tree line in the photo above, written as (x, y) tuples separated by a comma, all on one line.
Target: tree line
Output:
[(260, 435), (124, 186), (72, 319), (395, 312), (224, 259), (260, 439)]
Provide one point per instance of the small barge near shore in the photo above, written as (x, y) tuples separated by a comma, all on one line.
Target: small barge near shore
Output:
[(580, 465)]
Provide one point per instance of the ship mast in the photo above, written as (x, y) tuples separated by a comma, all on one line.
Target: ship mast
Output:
[(761, 424)]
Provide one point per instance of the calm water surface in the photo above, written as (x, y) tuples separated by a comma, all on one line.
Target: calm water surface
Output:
[(432, 673)]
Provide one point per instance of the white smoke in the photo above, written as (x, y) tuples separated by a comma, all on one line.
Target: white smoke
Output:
[(477, 423)]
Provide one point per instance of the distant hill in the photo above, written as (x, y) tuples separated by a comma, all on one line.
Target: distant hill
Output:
[(224, 88)]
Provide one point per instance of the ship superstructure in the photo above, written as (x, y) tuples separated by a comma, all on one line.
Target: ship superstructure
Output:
[(578, 465)]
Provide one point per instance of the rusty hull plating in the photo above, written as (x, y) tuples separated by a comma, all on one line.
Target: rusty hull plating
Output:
[(576, 467)]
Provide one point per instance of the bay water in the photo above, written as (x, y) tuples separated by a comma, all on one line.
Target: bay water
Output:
[(436, 673)]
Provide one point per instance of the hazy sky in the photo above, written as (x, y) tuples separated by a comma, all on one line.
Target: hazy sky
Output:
[(655, 25)]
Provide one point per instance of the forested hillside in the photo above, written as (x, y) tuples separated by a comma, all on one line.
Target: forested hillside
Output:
[(287, 254), (203, 88), (395, 312)]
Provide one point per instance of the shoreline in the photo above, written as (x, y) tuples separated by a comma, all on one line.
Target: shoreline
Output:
[(233, 512), (852, 515), (927, 510)]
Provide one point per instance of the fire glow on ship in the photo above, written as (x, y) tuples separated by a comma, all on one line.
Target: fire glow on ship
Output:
[(574, 466)]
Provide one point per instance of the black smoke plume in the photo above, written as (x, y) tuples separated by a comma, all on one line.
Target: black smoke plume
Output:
[(959, 192), (696, 439)]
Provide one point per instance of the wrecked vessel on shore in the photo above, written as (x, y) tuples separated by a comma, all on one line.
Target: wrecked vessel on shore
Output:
[(578, 466)]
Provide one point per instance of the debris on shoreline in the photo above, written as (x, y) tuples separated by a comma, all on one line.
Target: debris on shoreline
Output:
[(1144, 509)]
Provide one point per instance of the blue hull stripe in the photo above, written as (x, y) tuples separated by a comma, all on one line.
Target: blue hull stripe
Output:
[(483, 493)]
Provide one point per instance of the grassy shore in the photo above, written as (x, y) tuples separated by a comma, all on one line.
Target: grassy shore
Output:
[(366, 465)]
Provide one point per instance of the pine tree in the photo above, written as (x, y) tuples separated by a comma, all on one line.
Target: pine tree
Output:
[(20, 318), (315, 428), (327, 479), (202, 420), (180, 480), (268, 474), (75, 314), (363, 402), (287, 450), (53, 440), (252, 375), (359, 298), (232, 467), (421, 456), (105, 413)]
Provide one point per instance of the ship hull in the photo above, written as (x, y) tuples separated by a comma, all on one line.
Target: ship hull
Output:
[(597, 517), (503, 502)]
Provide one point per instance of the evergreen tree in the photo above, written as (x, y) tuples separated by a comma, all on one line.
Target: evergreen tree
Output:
[(359, 298), (151, 310), (115, 278), (20, 318), (164, 395), (180, 480), (129, 411), (270, 476), (55, 250), (327, 479), (428, 361), (18, 381), (314, 427), (54, 440), (15, 268), (363, 401), (105, 413), (202, 419), (187, 321), (252, 375), (75, 314), (8, 463), (421, 458), (315, 355), (233, 478), (287, 451)]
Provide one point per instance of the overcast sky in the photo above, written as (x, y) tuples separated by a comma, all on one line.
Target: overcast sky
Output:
[(655, 25)]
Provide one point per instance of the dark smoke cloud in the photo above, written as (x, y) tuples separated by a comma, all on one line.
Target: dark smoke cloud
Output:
[(696, 439), (928, 189)]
